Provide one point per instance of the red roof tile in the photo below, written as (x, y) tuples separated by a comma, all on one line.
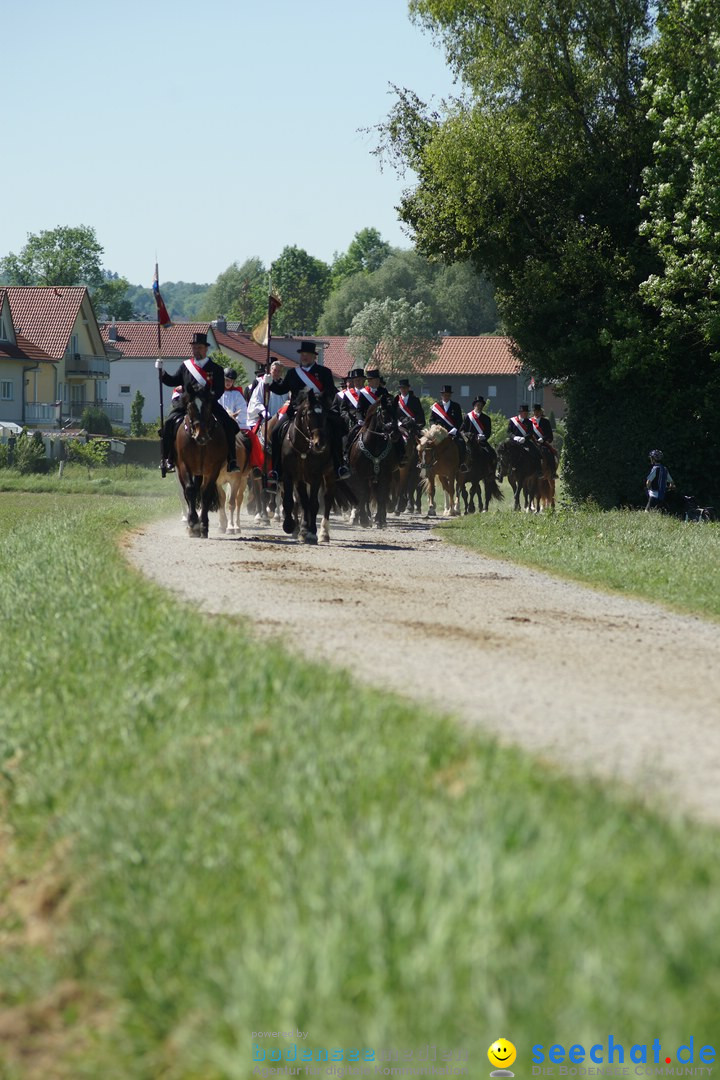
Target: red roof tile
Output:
[(45, 315), (243, 343), (140, 339), (336, 356), (487, 355), (24, 349)]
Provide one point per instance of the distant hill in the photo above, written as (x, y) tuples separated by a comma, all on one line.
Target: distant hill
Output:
[(183, 300)]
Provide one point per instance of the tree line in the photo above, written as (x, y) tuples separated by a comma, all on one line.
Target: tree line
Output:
[(578, 170), (317, 297)]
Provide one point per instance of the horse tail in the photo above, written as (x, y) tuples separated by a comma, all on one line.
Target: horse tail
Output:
[(345, 498), (213, 499), (492, 489)]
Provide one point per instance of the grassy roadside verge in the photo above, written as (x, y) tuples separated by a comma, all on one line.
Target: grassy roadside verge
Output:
[(647, 555), (212, 860)]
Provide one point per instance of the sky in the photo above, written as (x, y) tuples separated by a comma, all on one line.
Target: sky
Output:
[(205, 133)]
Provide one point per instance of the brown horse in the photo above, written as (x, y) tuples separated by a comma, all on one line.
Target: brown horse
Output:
[(200, 454), (439, 460), (236, 483), (406, 491), (373, 458), (544, 495), (519, 462), (481, 462), (307, 468)]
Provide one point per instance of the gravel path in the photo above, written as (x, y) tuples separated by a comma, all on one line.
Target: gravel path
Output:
[(596, 683)]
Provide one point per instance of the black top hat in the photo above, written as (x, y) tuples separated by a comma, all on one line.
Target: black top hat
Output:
[(404, 382), (355, 373), (199, 339), (526, 407), (308, 347), (446, 389), (479, 400), (372, 373)]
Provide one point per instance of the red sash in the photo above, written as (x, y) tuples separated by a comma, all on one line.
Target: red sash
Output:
[(478, 427), (439, 411), (353, 396), (369, 394), (197, 372), (310, 380), (519, 425), (404, 407)]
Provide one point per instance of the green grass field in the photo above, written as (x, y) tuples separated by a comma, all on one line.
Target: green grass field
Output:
[(653, 556), (203, 837)]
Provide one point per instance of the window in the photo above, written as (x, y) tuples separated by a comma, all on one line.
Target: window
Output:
[(4, 334), (6, 390), (124, 389), (464, 391), (492, 391)]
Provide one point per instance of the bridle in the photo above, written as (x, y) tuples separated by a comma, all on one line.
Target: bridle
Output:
[(200, 421), (388, 433), (315, 442)]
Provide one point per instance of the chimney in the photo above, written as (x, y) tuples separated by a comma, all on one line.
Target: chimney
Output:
[(221, 324), (112, 332)]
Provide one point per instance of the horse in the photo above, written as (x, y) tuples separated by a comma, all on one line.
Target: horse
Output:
[(544, 497), (372, 457), (519, 464), (200, 454), (439, 459), (307, 468), (481, 462), (236, 483), (407, 486)]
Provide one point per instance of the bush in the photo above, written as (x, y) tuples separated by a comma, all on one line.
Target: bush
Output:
[(92, 453), (96, 422), (29, 453)]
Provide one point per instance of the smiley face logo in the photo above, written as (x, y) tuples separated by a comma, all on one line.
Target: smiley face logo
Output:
[(502, 1054)]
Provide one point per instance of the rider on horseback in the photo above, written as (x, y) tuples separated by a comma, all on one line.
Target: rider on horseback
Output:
[(544, 435), (521, 430), (448, 414), (409, 405), (308, 375), (197, 374)]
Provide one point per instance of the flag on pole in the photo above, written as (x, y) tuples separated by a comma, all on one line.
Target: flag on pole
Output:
[(531, 384), (164, 319), (261, 332)]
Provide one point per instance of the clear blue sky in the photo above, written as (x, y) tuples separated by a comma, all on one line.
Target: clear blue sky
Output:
[(208, 132)]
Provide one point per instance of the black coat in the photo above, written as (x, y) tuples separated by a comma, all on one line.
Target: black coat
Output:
[(414, 404), (293, 385), (454, 412), (546, 431), (514, 432), (183, 377), (364, 403), (483, 420)]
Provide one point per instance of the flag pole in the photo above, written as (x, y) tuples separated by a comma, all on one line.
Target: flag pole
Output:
[(160, 382), (266, 395)]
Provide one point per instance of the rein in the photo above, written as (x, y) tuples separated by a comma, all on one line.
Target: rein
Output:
[(298, 431)]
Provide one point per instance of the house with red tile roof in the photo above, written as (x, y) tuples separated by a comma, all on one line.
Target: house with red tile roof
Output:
[(72, 362), (20, 362)]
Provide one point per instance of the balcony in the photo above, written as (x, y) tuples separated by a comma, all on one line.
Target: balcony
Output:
[(81, 366), (48, 413)]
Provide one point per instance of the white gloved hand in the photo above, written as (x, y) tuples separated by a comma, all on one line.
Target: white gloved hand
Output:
[(159, 364), (519, 438), (452, 431), (541, 441), (482, 437)]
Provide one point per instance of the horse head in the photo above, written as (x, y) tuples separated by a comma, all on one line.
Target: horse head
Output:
[(311, 420), (381, 418), (199, 419)]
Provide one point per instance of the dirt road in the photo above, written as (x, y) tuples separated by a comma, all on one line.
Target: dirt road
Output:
[(598, 684)]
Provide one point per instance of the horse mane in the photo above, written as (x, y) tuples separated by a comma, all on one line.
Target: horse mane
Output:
[(433, 435)]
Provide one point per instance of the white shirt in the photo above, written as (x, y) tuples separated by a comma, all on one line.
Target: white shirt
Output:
[(256, 404), (234, 403)]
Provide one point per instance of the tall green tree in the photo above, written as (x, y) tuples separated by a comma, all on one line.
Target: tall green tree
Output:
[(399, 334), (367, 252), (240, 292), (303, 284), (535, 174), (67, 255)]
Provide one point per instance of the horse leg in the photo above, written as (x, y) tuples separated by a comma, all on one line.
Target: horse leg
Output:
[(310, 514), (328, 499), (432, 512), (288, 505), (222, 498), (192, 488)]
